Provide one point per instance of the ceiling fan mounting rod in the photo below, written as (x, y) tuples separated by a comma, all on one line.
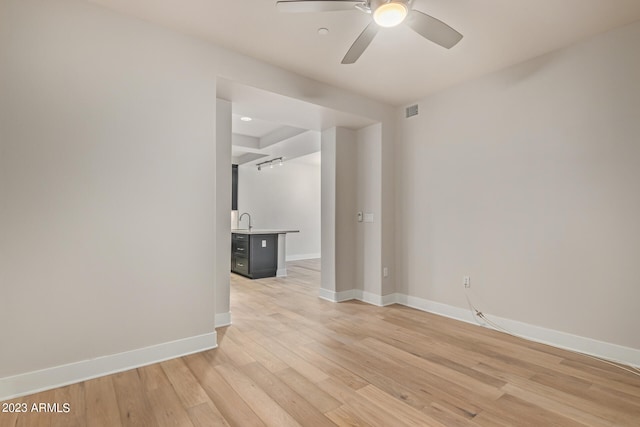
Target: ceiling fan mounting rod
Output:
[(369, 6), (364, 6)]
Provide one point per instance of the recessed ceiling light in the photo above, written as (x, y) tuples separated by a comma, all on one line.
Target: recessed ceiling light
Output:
[(323, 31), (246, 119)]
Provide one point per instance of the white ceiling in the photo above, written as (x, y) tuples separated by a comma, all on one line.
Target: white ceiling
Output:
[(399, 66), (256, 128), (272, 107), (280, 124)]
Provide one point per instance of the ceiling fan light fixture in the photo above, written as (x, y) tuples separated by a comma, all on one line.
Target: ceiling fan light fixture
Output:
[(390, 14)]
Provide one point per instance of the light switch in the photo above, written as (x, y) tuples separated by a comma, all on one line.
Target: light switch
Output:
[(368, 217), (359, 216), (264, 243)]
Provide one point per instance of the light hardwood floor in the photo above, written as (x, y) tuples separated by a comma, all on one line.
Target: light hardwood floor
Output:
[(291, 358)]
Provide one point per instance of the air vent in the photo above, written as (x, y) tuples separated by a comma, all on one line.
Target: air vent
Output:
[(412, 111)]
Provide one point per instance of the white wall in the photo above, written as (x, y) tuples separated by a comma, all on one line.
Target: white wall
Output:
[(328, 213), (222, 264), (284, 197), (351, 183), (339, 192), (368, 198), (108, 186), (107, 197), (527, 180)]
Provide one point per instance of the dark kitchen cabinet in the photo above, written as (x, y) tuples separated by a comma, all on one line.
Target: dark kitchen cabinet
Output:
[(254, 255), (234, 187)]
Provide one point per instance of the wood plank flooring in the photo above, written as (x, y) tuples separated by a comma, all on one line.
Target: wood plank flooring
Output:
[(292, 359)]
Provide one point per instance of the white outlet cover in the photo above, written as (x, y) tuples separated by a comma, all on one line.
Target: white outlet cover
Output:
[(264, 243), (368, 217)]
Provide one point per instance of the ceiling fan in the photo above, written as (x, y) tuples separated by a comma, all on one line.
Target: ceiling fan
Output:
[(386, 13)]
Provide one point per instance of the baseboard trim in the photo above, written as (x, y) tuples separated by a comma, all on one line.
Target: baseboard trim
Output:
[(337, 296), (371, 298), (555, 338), (552, 337), (223, 319), (434, 307), (300, 257), (59, 376)]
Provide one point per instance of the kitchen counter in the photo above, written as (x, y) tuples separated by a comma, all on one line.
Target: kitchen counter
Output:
[(262, 231), (282, 242)]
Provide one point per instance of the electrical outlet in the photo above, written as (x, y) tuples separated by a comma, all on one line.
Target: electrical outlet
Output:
[(466, 281), (385, 272)]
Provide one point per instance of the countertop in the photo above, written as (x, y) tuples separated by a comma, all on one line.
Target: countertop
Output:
[(263, 231)]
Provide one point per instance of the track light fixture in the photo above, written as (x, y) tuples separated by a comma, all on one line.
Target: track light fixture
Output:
[(270, 163)]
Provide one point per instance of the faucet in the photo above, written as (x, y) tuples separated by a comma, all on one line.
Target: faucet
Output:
[(247, 214)]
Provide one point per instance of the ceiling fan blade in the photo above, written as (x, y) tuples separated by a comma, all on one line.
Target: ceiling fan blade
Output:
[(433, 29), (361, 43), (300, 6)]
